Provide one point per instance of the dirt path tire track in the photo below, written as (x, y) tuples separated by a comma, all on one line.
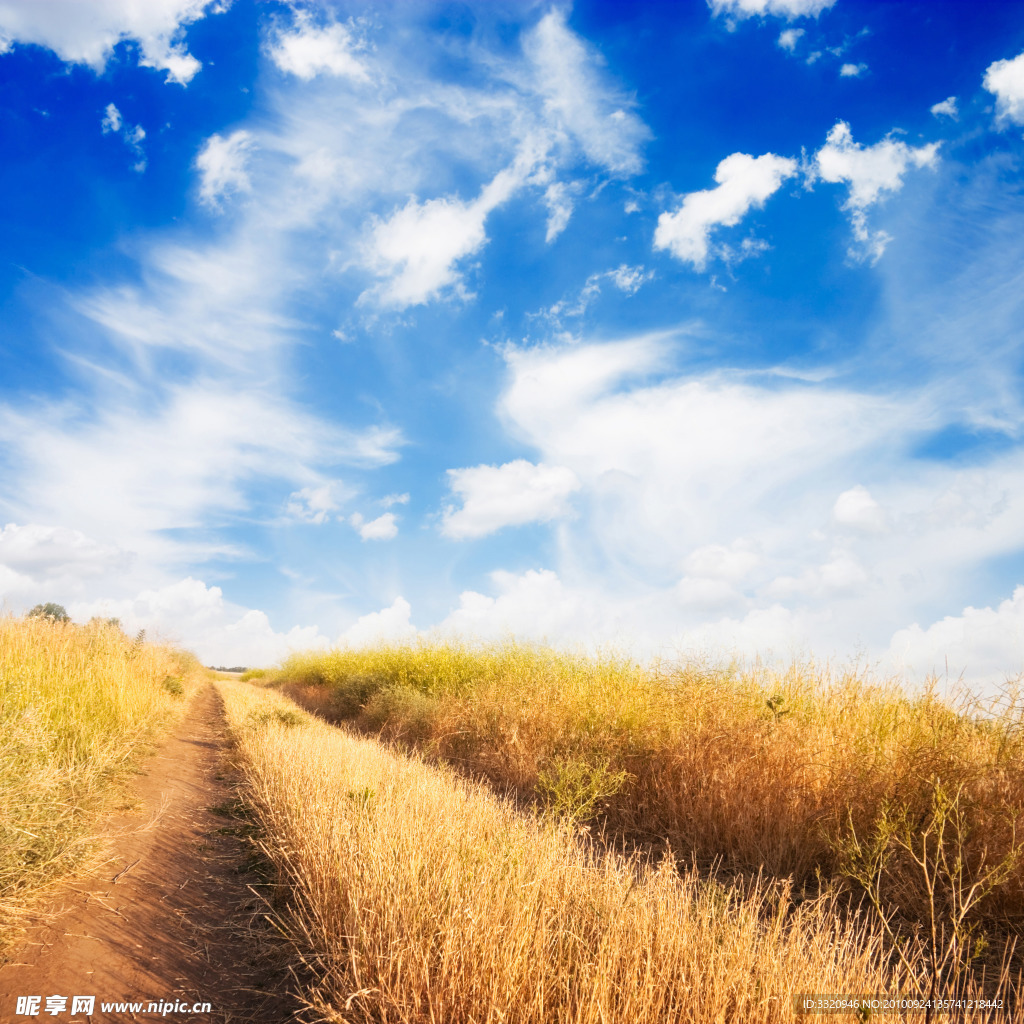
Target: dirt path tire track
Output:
[(167, 916)]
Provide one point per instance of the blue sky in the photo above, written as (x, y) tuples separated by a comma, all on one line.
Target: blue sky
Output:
[(669, 327)]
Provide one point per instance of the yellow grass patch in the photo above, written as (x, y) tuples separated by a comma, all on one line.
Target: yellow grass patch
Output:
[(77, 706)]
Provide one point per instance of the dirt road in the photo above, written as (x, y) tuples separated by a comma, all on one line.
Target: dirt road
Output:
[(167, 917)]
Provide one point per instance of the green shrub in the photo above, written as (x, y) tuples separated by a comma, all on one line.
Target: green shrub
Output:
[(50, 610)]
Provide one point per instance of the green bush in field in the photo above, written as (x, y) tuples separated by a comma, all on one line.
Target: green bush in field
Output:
[(50, 610)]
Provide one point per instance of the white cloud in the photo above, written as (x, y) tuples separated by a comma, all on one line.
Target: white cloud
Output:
[(196, 616), (720, 562), (645, 452), (743, 182), (947, 108), (629, 279), (539, 605), (788, 9), (133, 137), (870, 172), (534, 606), (308, 50), (714, 506), (706, 596), (389, 625), (559, 200), (625, 278), (579, 101), (857, 510), (135, 473), (87, 32), (313, 504), (852, 70), (510, 495), (384, 527), (985, 644), (418, 247), (222, 166), (1005, 80), (42, 553), (111, 119), (789, 37)]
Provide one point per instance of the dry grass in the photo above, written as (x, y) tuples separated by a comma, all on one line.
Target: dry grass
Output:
[(77, 707), (416, 895), (800, 774)]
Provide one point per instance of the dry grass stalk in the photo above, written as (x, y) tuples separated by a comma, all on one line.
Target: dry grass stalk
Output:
[(416, 895), (758, 770)]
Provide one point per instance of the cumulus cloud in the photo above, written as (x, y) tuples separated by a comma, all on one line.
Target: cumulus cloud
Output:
[(870, 172), (418, 247), (648, 449), (852, 70), (744, 182), (111, 119), (946, 108), (788, 9), (307, 49), (534, 605), (384, 527), (541, 606), (196, 615), (41, 553), (222, 166), (510, 495), (985, 644), (857, 510), (579, 101), (389, 625), (313, 504), (733, 562), (715, 505), (86, 33), (789, 37), (1005, 80)]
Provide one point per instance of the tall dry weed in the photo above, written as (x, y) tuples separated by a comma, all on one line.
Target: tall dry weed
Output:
[(415, 895), (760, 770)]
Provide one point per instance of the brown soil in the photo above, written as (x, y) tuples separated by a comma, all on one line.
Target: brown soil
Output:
[(171, 915)]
